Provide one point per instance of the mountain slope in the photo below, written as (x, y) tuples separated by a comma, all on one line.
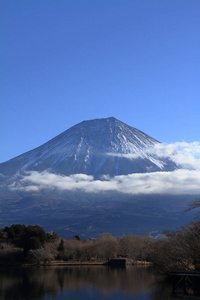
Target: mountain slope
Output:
[(94, 147), (97, 147)]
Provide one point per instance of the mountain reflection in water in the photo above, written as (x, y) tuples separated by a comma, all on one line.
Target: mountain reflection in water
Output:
[(34, 283)]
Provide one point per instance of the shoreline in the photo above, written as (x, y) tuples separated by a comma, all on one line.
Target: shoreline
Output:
[(88, 263)]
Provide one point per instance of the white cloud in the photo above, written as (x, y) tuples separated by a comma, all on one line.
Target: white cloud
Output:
[(185, 180), (185, 155), (176, 182), (125, 155)]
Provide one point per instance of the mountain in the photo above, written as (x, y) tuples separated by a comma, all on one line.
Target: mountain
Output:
[(96, 147)]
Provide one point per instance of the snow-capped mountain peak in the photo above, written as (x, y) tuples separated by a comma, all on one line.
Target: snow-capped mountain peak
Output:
[(95, 147)]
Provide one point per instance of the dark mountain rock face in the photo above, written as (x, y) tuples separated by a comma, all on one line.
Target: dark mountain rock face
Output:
[(95, 147)]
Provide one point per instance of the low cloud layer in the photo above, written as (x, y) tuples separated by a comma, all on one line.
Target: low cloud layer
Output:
[(185, 180), (176, 182)]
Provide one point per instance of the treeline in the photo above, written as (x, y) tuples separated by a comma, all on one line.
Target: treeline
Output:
[(18, 240), (20, 243), (178, 250), (26, 237)]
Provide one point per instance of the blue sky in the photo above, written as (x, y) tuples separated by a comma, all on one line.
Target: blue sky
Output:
[(66, 61)]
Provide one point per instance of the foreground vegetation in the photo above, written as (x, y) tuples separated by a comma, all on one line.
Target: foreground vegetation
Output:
[(178, 250)]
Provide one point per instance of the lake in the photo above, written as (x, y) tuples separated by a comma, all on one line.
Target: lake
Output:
[(81, 283)]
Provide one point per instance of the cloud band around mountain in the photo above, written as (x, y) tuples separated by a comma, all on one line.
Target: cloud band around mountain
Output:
[(185, 180), (176, 182)]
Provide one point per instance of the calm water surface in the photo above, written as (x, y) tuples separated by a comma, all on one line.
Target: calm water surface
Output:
[(81, 283)]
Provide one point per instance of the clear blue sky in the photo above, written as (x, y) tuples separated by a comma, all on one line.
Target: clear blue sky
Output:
[(66, 61)]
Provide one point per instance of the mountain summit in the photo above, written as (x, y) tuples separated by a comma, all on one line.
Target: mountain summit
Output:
[(95, 147)]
